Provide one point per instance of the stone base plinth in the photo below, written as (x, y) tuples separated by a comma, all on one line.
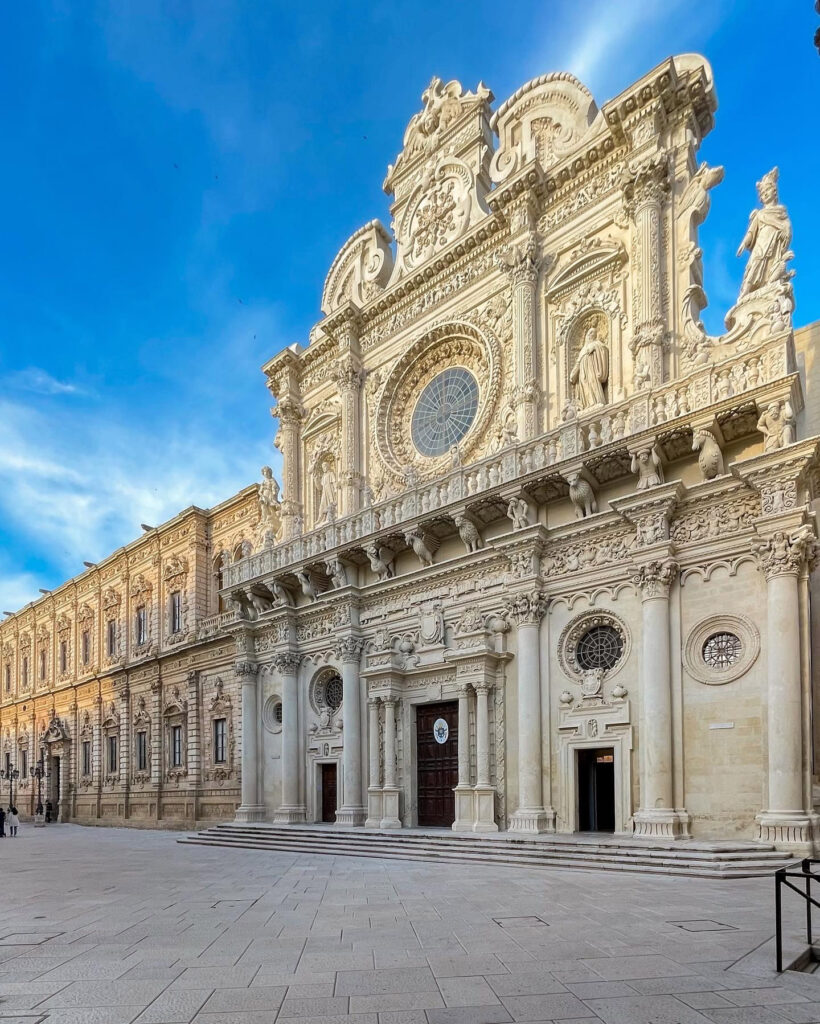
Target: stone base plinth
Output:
[(374, 808), (293, 815), (464, 809), (484, 809), (250, 812), (390, 808), (351, 816), (661, 823), (794, 830), (530, 821)]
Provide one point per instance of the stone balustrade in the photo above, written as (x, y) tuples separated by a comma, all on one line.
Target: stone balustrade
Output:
[(666, 410)]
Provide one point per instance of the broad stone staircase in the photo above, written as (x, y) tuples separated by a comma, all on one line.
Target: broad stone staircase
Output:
[(586, 851)]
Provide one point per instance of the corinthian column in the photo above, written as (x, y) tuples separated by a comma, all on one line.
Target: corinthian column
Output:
[(353, 812), (289, 443), (644, 193), (783, 557), (484, 792), (374, 784), (250, 808), (465, 814), (527, 609), (657, 815), (292, 808)]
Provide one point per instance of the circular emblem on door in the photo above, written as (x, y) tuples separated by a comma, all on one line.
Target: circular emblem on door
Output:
[(441, 730)]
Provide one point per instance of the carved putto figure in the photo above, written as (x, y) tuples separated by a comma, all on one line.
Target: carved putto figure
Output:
[(582, 496), (327, 492), (777, 424), (509, 434), (518, 512), (767, 239), (381, 561), (590, 373), (710, 457), (647, 464), (455, 457), (468, 532)]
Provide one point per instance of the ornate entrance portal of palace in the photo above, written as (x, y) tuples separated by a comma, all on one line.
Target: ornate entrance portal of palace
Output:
[(437, 761), (329, 791), (596, 790)]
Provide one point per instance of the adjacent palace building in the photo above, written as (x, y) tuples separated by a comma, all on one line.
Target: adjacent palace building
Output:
[(542, 555)]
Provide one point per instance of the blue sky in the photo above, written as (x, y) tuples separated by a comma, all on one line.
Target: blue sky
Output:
[(179, 175)]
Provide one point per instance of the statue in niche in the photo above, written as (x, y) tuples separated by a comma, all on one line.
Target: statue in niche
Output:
[(327, 493), (777, 424), (590, 373), (767, 239)]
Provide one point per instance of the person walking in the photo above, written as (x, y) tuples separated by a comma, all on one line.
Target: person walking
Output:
[(49, 812), (14, 821), (2, 823)]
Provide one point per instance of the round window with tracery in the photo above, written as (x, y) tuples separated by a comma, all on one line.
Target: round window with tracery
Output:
[(600, 647), (722, 650), (333, 693), (445, 411)]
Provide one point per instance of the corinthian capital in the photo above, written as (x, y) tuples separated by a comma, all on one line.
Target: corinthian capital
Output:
[(520, 261), (655, 578), (288, 411), (646, 182), (245, 670), (526, 608), (287, 662), (348, 377), (786, 554), (349, 648)]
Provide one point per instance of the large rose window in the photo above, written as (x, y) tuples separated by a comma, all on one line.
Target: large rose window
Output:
[(445, 411)]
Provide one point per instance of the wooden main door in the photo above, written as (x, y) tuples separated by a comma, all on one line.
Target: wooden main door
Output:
[(437, 763), (328, 792)]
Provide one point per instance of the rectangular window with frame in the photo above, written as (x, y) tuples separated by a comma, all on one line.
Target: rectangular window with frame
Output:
[(8, 764), (176, 746), (25, 672), (111, 638), (142, 751), (86, 646), (176, 612), (113, 754), (63, 656), (24, 763), (42, 665), (140, 625), (8, 678), (220, 740), (86, 757)]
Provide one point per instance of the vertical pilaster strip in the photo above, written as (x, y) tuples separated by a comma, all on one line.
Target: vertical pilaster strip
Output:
[(374, 786), (352, 812), (390, 791), (194, 741), (250, 808)]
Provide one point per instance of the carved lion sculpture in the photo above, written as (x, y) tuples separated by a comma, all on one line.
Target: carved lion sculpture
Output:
[(582, 496)]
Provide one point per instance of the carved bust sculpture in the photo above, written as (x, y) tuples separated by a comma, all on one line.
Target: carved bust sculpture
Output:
[(767, 239), (590, 373)]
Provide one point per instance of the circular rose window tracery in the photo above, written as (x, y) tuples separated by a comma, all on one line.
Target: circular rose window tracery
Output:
[(445, 411), (593, 642)]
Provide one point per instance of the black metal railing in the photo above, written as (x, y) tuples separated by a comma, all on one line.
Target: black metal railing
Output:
[(781, 878)]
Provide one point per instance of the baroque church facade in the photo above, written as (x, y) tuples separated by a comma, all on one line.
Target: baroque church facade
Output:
[(541, 557)]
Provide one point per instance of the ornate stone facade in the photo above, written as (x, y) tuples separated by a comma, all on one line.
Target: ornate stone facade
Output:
[(542, 554)]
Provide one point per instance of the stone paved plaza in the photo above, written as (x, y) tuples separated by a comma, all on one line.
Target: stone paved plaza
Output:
[(113, 926)]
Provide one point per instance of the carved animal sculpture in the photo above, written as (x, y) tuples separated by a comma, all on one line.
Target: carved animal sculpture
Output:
[(381, 561), (418, 543), (710, 457), (468, 532), (259, 602), (337, 572), (582, 496), (282, 594), (307, 585)]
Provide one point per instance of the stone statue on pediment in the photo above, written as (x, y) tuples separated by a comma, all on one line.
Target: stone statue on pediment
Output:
[(590, 373), (327, 493)]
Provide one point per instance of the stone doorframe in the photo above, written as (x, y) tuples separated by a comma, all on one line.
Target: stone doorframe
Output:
[(587, 728), (314, 810), (56, 743)]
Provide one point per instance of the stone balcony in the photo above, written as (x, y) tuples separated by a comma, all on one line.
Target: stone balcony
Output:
[(725, 395)]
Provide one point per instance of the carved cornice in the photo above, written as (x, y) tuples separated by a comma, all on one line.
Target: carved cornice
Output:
[(782, 478)]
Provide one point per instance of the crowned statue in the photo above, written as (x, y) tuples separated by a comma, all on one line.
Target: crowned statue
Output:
[(591, 371), (767, 239)]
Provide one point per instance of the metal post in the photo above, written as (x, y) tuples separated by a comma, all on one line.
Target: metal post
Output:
[(807, 870), (778, 877)]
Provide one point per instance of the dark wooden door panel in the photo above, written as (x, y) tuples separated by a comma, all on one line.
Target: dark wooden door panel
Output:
[(437, 764), (328, 792)]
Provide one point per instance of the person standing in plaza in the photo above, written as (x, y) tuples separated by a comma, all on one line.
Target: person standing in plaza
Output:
[(13, 820), (2, 823)]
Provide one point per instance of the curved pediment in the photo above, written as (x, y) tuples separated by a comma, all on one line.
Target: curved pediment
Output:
[(591, 259), (361, 269), (545, 120)]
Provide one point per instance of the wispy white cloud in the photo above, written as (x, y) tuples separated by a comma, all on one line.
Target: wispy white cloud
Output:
[(17, 589), (41, 382)]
